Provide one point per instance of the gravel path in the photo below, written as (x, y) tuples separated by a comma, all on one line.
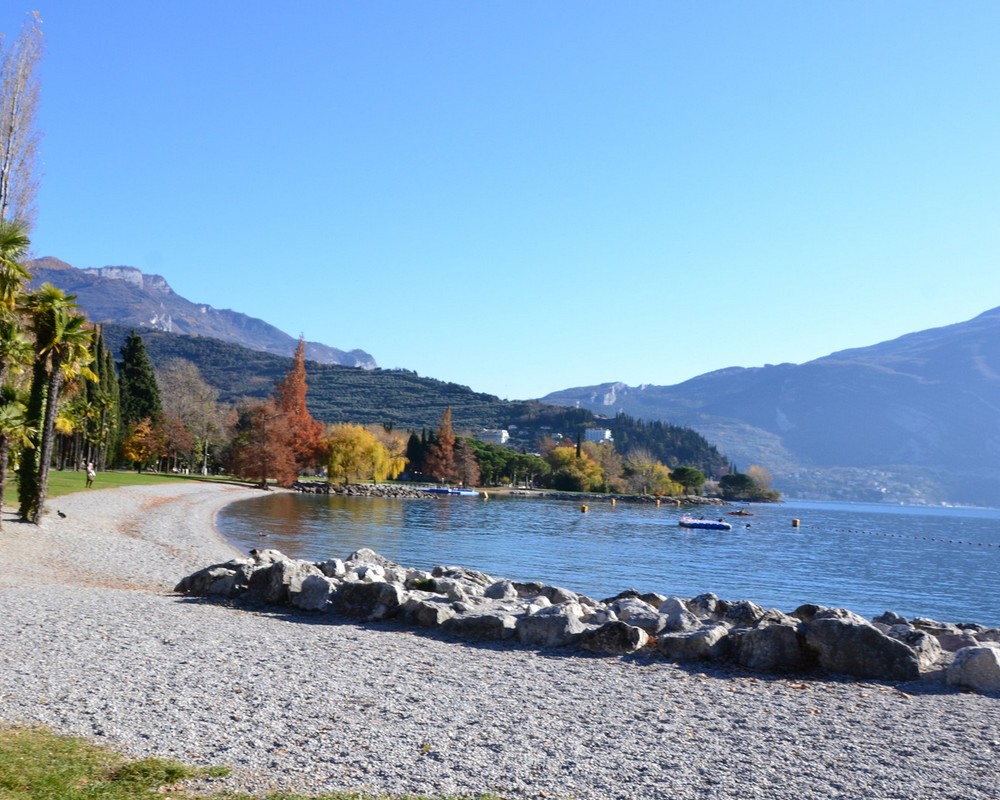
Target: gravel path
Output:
[(95, 643)]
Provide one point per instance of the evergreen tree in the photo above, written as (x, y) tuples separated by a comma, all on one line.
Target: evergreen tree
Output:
[(139, 394), (690, 478), (415, 452), (670, 444), (102, 403)]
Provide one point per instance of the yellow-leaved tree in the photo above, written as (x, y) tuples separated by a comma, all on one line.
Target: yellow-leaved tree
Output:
[(349, 449), (647, 475), (391, 460), (573, 470), (357, 453), (761, 476)]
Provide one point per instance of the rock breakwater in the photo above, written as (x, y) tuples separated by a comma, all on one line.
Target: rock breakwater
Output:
[(473, 605), (358, 489), (398, 490)]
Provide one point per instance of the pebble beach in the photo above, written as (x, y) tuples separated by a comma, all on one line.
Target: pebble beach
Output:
[(94, 642)]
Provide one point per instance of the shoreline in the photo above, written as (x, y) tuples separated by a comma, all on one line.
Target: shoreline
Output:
[(97, 644)]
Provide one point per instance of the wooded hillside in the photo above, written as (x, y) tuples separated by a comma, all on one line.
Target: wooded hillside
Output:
[(348, 394), (399, 398)]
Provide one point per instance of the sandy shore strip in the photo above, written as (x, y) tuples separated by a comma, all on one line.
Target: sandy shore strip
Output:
[(95, 643)]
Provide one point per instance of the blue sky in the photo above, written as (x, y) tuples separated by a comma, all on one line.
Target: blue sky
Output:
[(523, 197)]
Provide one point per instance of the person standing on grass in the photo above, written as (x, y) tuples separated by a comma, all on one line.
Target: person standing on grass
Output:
[(90, 474)]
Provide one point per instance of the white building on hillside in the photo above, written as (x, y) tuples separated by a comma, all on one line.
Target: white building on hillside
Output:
[(493, 436)]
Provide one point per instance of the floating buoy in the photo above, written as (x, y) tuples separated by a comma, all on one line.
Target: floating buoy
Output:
[(486, 495), (584, 509), (795, 523), (613, 500), (657, 502)]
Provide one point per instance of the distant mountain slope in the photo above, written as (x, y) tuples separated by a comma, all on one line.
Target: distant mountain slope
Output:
[(914, 418), (338, 393), (126, 296)]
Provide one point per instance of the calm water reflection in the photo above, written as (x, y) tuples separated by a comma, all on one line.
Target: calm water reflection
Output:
[(942, 563)]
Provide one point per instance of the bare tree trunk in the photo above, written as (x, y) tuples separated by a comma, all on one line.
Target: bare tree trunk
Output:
[(18, 139), (100, 456), (4, 457), (48, 427)]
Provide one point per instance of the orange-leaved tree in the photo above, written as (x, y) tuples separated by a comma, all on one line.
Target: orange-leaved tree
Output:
[(439, 462), (307, 434), (144, 443), (261, 449)]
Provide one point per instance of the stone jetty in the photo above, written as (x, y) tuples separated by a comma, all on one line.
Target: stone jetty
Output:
[(472, 605)]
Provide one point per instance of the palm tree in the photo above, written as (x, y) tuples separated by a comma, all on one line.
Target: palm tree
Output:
[(15, 352), (14, 243), (13, 429), (62, 349)]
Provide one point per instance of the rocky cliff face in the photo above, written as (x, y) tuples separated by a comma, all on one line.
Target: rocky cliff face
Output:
[(151, 283), (126, 296)]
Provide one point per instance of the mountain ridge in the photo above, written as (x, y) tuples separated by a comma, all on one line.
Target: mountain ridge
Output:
[(125, 295), (911, 419)]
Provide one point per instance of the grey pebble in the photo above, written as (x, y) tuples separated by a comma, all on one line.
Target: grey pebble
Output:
[(94, 643)]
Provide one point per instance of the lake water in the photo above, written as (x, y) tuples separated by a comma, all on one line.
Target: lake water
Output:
[(933, 562)]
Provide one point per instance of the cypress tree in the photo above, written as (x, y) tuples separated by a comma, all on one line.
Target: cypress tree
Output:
[(415, 452), (139, 394), (102, 397)]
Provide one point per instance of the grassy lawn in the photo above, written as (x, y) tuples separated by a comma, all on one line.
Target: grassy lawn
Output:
[(68, 481), (36, 764), (62, 482)]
